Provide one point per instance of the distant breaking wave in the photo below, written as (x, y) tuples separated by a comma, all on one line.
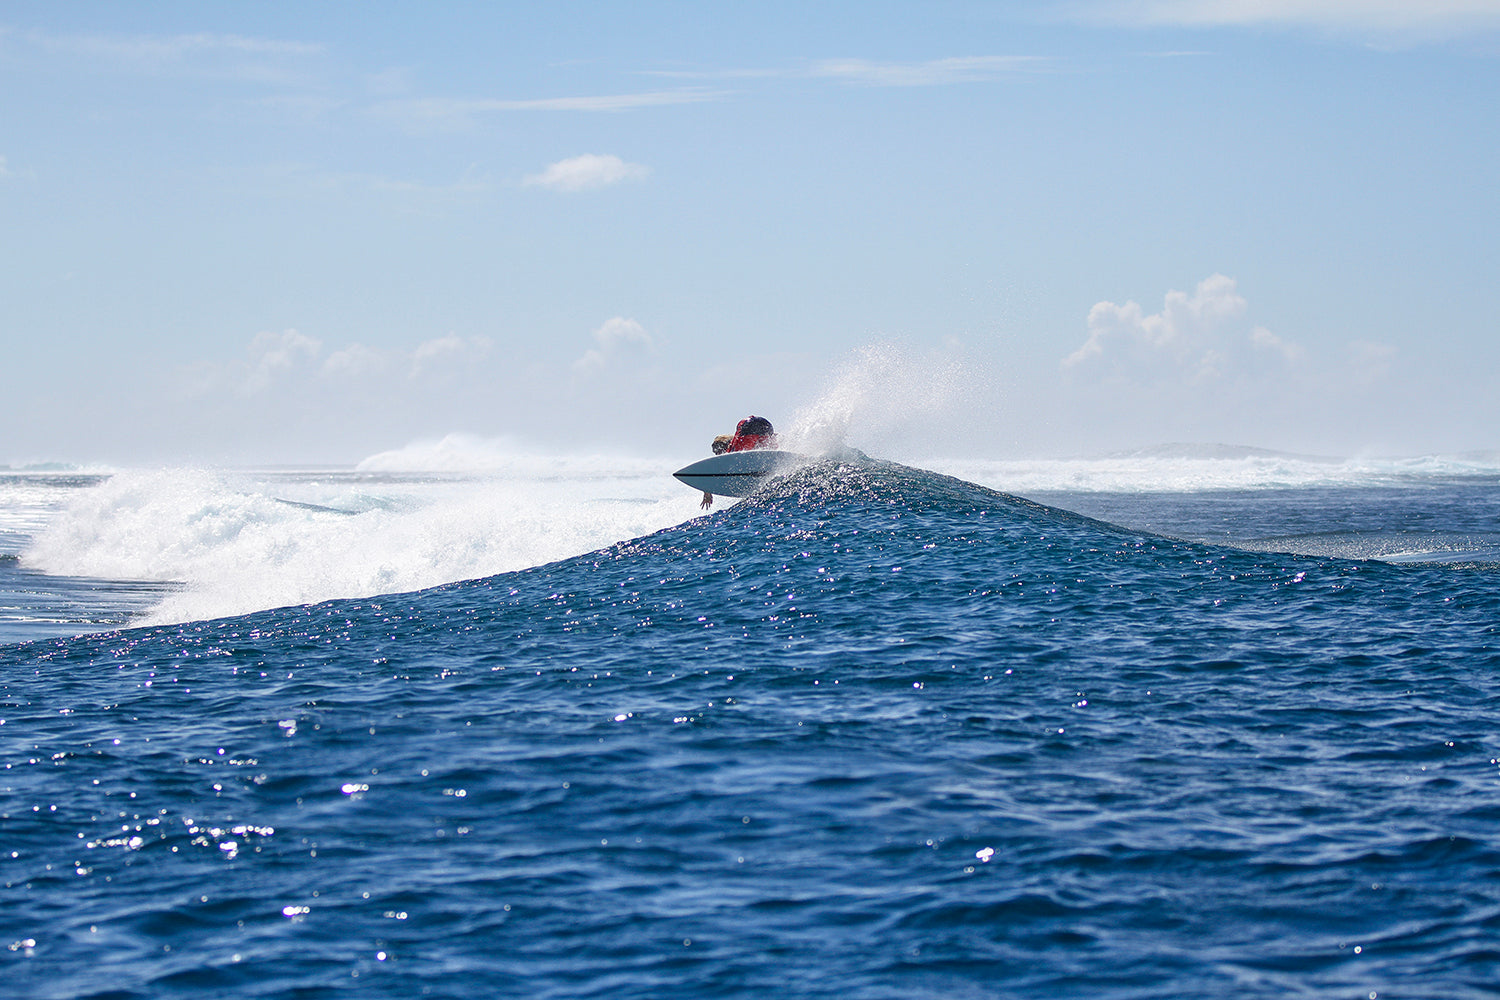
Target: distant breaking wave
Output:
[(1196, 468), (465, 508)]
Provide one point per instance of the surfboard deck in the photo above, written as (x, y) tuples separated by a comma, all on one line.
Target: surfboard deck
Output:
[(738, 473)]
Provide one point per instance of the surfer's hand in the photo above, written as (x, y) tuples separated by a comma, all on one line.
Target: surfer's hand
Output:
[(708, 501)]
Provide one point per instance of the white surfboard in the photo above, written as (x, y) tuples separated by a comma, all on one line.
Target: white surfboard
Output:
[(738, 473)]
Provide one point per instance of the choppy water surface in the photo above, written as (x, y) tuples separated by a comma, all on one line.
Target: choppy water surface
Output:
[(873, 733)]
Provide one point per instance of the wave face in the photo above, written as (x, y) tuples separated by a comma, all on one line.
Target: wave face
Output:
[(875, 732)]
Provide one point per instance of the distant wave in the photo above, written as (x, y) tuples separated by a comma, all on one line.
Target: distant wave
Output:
[(56, 468), (1197, 468), (1222, 452)]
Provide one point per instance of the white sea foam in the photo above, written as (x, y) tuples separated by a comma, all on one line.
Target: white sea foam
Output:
[(1190, 469), (244, 541), (463, 508)]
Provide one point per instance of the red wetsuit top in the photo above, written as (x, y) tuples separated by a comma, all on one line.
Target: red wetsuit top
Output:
[(746, 442), (753, 432)]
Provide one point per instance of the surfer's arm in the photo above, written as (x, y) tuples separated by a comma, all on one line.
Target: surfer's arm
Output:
[(708, 500)]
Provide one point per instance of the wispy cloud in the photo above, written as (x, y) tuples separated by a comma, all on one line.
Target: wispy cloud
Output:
[(269, 60), (935, 72), (928, 73), (587, 172), (160, 48), (446, 112), (1419, 17)]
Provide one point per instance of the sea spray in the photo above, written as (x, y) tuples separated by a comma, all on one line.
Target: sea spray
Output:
[(885, 398)]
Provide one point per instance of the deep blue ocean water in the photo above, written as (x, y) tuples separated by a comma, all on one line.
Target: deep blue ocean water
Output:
[(873, 733)]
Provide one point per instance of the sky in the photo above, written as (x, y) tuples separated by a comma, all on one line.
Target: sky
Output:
[(308, 233)]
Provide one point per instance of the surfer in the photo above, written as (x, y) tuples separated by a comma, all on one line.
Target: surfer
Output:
[(753, 432), (750, 433)]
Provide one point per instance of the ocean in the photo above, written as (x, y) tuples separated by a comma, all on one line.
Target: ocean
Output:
[(1183, 723)]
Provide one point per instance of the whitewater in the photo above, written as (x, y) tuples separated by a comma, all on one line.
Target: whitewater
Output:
[(151, 546), (465, 721)]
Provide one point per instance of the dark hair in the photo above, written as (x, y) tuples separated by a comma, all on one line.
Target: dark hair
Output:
[(756, 425)]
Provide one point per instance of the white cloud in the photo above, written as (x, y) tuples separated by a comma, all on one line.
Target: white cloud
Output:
[(432, 353), (444, 112), (1265, 340), (276, 359), (1197, 339), (959, 69), (360, 360), (618, 339), (225, 56), (157, 48), (1422, 17), (587, 172), (271, 353), (1198, 369), (356, 359), (1198, 336)]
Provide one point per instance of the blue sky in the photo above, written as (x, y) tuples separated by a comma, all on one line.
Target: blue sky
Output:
[(312, 232)]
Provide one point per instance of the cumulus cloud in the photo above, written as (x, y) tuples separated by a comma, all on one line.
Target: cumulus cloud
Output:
[(1265, 340), (1199, 336), (272, 353), (277, 359), (587, 172), (360, 359), (1200, 369), (617, 340), (356, 359), (431, 353)]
